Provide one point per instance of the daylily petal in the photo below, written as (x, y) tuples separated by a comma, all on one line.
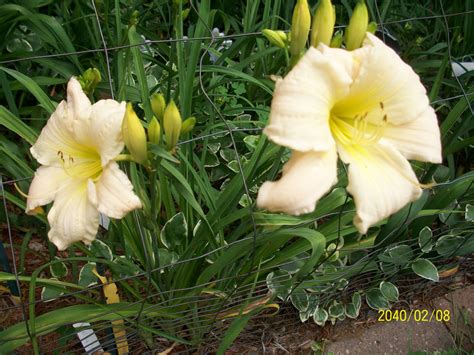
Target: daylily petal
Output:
[(56, 138), (418, 139), (48, 180), (113, 192), (381, 181), (306, 178), (77, 101), (302, 102), (106, 128), (383, 85), (73, 217)]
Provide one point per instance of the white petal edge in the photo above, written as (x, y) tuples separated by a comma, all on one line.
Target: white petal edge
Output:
[(73, 217), (113, 192), (48, 180), (306, 177), (78, 103), (381, 182), (418, 139), (55, 137), (384, 85), (299, 116)]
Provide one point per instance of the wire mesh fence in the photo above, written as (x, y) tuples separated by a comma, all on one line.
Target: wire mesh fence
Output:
[(150, 318)]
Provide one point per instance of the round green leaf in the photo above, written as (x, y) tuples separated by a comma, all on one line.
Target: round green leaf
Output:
[(376, 300), (425, 239), (320, 316)]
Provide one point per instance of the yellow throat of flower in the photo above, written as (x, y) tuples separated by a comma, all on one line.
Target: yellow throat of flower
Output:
[(84, 163)]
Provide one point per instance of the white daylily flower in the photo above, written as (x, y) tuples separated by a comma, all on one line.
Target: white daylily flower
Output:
[(76, 149), (368, 106)]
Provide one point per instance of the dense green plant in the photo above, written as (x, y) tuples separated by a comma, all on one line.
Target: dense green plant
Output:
[(199, 249)]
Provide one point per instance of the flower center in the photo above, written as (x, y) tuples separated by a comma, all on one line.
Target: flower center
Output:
[(358, 130), (86, 164)]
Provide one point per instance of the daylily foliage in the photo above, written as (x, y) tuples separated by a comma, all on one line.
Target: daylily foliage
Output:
[(76, 149), (368, 107)]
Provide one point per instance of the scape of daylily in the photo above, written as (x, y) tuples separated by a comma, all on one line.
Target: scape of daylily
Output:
[(368, 107), (76, 149)]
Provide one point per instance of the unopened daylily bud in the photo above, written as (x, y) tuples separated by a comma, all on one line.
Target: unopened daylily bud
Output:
[(282, 35), (134, 135), (355, 32), (323, 23), (158, 105), (188, 125), (89, 79), (154, 131), (336, 40), (185, 13), (273, 37), (372, 27), (172, 125), (300, 24)]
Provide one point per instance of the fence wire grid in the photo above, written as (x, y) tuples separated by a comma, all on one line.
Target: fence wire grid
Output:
[(144, 331)]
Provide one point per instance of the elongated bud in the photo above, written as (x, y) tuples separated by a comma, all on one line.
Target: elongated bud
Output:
[(336, 40), (323, 23), (185, 13), (154, 131), (372, 27), (134, 135), (355, 32), (300, 25), (274, 38), (158, 105), (188, 125), (172, 125)]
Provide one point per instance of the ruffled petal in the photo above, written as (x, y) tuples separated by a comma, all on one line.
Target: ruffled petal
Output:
[(418, 139), (381, 181), (384, 85), (303, 99), (48, 180), (56, 139), (306, 178), (73, 217), (113, 192)]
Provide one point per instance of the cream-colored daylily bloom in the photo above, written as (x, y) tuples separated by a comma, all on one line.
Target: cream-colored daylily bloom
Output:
[(368, 106), (76, 149)]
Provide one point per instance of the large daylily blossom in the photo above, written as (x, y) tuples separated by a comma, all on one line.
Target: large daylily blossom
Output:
[(76, 149), (366, 106)]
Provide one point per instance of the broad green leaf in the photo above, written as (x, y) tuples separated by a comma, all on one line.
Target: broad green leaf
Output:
[(320, 316), (299, 298), (277, 283), (16, 125), (86, 276), (376, 300), (425, 239), (425, 269), (175, 231), (101, 250), (389, 291), (58, 270), (448, 245), (336, 310), (48, 293)]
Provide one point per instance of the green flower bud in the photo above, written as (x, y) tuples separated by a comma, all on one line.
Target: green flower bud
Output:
[(372, 27), (134, 135), (274, 38), (185, 13), (355, 32), (172, 125), (154, 131), (336, 41), (188, 125), (158, 105), (323, 23), (300, 25), (282, 35), (89, 80)]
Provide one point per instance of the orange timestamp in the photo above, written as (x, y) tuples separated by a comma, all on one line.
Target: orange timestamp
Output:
[(418, 315)]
